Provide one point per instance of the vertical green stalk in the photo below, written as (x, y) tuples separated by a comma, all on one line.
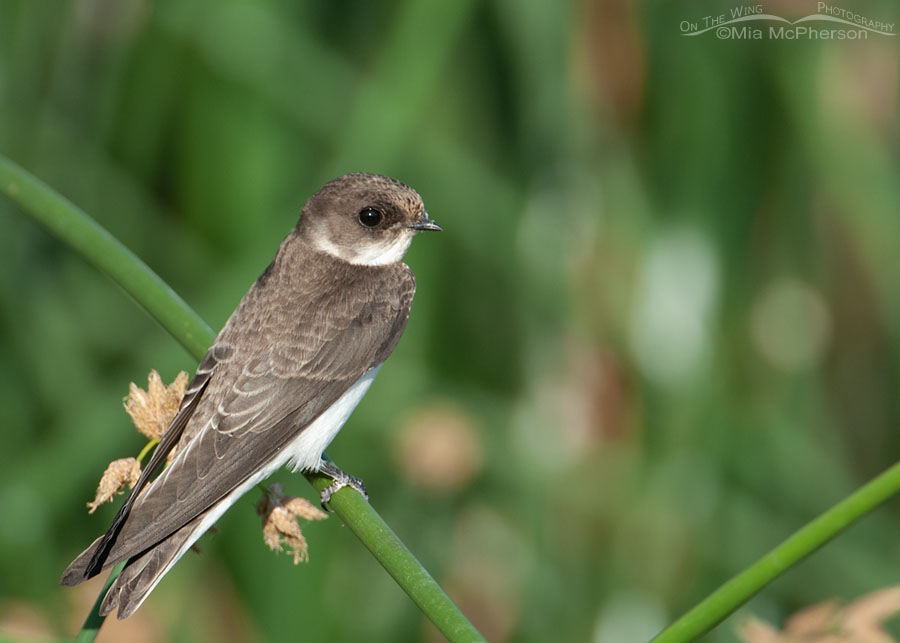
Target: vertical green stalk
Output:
[(94, 621), (96, 245)]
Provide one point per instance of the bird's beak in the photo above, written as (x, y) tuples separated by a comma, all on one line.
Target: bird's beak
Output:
[(424, 223)]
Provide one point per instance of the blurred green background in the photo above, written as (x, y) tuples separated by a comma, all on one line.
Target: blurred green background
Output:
[(660, 332)]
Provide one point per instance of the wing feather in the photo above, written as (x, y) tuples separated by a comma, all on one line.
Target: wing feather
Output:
[(93, 559)]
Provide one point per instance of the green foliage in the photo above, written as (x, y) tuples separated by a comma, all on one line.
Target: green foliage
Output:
[(665, 302)]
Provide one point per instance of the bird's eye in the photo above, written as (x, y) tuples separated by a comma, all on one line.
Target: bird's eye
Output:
[(370, 217)]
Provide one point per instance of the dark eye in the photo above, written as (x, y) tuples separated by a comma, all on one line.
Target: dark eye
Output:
[(370, 217)]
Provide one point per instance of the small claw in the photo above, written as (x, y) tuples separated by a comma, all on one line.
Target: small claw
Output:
[(341, 480)]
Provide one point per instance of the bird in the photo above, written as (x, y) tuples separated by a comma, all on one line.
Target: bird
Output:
[(280, 380)]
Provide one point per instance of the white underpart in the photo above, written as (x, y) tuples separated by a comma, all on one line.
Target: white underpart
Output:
[(305, 452), (377, 253)]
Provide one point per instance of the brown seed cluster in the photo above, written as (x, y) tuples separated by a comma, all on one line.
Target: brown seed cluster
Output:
[(280, 527), (154, 409), (151, 411), (117, 474)]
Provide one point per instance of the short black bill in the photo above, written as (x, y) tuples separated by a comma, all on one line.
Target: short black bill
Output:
[(424, 223)]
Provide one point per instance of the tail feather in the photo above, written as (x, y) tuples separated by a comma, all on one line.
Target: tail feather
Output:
[(80, 569), (146, 568), (103, 550), (144, 571), (76, 572)]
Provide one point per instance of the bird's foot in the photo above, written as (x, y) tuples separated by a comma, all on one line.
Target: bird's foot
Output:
[(341, 479)]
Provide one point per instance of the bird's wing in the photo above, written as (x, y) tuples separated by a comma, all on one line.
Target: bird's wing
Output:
[(90, 561), (264, 402)]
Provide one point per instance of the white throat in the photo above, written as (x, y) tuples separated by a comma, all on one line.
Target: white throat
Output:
[(379, 253)]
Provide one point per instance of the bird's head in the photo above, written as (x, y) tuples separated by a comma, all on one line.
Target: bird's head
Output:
[(364, 219)]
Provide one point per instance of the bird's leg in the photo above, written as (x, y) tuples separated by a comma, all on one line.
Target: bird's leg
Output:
[(341, 479)]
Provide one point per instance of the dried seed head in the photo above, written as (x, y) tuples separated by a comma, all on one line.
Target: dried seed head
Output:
[(154, 409), (117, 474), (303, 508), (829, 622), (280, 526), (280, 529)]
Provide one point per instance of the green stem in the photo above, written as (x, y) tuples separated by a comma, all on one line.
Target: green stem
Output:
[(99, 247), (740, 589), (399, 562), (95, 244), (143, 454), (93, 621)]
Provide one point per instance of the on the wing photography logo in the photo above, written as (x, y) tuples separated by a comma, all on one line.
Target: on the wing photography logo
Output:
[(751, 22)]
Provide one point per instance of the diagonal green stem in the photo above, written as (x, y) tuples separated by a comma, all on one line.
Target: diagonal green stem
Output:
[(399, 562), (741, 588), (62, 218), (94, 243)]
